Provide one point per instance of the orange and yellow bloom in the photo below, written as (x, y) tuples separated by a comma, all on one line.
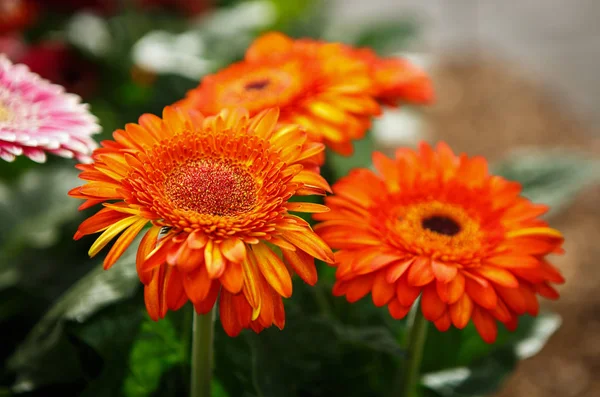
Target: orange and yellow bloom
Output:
[(219, 188), (393, 80), (432, 224), (330, 89)]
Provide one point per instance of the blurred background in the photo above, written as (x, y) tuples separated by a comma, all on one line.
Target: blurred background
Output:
[(514, 80)]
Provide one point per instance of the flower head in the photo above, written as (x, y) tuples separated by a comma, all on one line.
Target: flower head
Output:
[(38, 117), (220, 187), (438, 225), (393, 80), (318, 88)]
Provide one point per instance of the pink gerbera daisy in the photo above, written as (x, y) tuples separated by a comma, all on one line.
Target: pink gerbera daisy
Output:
[(37, 116)]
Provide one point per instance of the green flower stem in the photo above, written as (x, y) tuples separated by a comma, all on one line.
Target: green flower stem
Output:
[(417, 334), (202, 354)]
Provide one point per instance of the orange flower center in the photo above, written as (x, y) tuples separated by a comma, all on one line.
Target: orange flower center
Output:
[(439, 230), (262, 88), (212, 187), (257, 85)]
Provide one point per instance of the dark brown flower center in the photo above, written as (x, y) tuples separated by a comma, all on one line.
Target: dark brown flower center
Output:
[(441, 225), (257, 85), (212, 187)]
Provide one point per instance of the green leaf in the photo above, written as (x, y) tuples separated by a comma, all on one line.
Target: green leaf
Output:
[(35, 221), (550, 177), (157, 348), (337, 166), (35, 360), (480, 369), (111, 333), (387, 36)]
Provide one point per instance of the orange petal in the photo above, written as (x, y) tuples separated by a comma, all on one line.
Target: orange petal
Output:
[(251, 283), (197, 284), (99, 221), (501, 312), (359, 287), (233, 249), (443, 323), (214, 260), (485, 325), (310, 243), (420, 273), (512, 324), (306, 207), (311, 179), (264, 122), (267, 310), (303, 264), (483, 296), (452, 291), (273, 269), (398, 311), (123, 242), (513, 298), (175, 294), (267, 45), (548, 292), (158, 255), (197, 240), (406, 294), (443, 272), (188, 259), (383, 260), (382, 291), (228, 315), (278, 312), (514, 261), (461, 311), (147, 244), (431, 304), (208, 303), (388, 170), (111, 232), (499, 276), (233, 277), (396, 270), (153, 293), (531, 302)]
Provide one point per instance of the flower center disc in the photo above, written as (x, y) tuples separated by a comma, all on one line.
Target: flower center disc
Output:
[(441, 225), (212, 187), (256, 85)]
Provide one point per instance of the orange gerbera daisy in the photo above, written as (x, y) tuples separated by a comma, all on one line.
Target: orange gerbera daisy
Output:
[(438, 225), (393, 79), (219, 187), (326, 92)]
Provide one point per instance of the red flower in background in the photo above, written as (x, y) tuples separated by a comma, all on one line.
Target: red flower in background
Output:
[(61, 65), (13, 46), (104, 7), (109, 7), (15, 15), (187, 7)]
